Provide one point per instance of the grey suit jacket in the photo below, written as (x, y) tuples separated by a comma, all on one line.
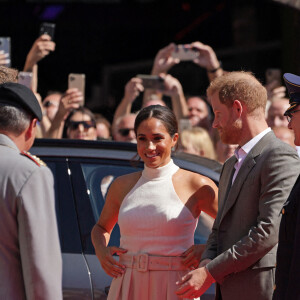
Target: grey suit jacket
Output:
[(244, 237), (30, 257)]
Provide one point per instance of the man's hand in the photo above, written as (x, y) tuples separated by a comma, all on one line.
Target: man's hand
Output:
[(194, 284)]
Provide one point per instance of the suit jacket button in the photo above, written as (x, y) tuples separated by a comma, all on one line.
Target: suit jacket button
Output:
[(274, 287), (283, 211)]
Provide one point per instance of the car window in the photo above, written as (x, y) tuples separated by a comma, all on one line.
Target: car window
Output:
[(65, 209), (98, 178)]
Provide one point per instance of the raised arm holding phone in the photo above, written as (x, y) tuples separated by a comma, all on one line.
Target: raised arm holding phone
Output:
[(70, 100), (207, 59), (132, 90), (42, 46), (163, 62)]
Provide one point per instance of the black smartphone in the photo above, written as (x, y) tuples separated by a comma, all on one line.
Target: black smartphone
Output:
[(152, 82), (5, 47), (47, 28)]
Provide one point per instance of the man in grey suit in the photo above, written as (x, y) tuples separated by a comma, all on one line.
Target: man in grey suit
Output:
[(240, 255), (30, 258)]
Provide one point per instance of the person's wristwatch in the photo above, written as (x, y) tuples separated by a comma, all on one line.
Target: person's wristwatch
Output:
[(216, 69)]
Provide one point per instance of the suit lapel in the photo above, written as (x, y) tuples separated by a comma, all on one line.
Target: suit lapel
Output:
[(225, 181), (249, 162), (233, 193)]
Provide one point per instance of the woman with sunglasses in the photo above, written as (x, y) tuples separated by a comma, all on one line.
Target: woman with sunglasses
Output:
[(80, 124), (157, 210)]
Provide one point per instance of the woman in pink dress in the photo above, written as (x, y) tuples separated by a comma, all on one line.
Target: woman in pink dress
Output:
[(157, 210)]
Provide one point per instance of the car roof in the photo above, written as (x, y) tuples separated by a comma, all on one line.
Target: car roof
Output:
[(106, 149)]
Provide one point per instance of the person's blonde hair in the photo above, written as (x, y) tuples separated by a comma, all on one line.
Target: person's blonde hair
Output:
[(242, 86), (200, 140)]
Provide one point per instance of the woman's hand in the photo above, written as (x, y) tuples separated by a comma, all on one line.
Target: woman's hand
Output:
[(192, 256), (275, 90), (111, 266), (40, 48), (172, 85), (70, 100), (4, 58), (132, 89), (164, 61)]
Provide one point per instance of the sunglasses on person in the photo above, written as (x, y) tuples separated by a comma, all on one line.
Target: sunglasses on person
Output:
[(125, 131), (73, 125), (289, 114), (48, 104)]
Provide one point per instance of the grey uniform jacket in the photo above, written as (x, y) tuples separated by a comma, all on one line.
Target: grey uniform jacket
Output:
[(244, 237), (30, 257)]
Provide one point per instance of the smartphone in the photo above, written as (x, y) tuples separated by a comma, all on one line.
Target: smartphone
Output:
[(184, 53), (47, 28), (5, 47), (272, 75), (77, 81), (184, 124), (152, 82), (25, 78)]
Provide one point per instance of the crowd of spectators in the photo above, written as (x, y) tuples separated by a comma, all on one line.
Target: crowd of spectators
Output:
[(65, 117)]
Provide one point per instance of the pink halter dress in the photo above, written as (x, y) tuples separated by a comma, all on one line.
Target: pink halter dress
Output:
[(156, 228)]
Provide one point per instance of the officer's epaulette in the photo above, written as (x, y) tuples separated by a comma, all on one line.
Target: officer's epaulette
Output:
[(34, 158)]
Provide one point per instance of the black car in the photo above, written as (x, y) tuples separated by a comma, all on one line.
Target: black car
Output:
[(83, 171)]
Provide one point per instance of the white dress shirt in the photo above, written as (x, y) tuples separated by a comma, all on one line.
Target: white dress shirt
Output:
[(241, 152), (298, 150)]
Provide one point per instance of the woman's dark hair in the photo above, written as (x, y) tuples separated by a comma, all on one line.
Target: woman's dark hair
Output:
[(162, 113), (84, 111)]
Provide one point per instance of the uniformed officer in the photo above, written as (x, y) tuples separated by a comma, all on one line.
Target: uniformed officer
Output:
[(287, 279), (30, 257)]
